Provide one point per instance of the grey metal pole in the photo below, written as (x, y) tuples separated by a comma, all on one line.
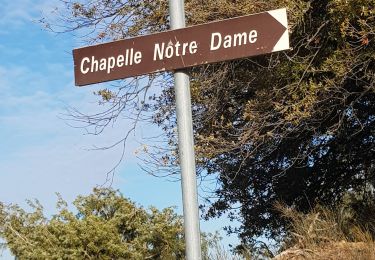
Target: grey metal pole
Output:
[(186, 146)]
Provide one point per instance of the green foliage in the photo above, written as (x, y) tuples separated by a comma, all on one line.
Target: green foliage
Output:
[(296, 127), (106, 226)]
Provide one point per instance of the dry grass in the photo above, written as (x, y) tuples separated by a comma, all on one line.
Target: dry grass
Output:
[(325, 234), (332, 251)]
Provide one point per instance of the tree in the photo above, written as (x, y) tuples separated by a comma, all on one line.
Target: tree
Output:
[(105, 226), (296, 126)]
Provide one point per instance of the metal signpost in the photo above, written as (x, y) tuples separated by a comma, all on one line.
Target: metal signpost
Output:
[(174, 50), (186, 146)]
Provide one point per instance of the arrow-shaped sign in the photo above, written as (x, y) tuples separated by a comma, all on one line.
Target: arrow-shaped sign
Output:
[(207, 43)]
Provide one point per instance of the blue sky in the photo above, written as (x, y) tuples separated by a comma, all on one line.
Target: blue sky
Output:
[(39, 153)]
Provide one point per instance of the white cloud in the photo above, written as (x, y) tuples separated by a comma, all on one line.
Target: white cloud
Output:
[(39, 148), (39, 153), (12, 13), (16, 13), (8, 49)]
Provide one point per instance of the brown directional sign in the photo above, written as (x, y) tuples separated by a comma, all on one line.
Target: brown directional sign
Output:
[(207, 43)]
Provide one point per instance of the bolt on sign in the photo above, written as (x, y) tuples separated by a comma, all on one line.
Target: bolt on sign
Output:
[(182, 48)]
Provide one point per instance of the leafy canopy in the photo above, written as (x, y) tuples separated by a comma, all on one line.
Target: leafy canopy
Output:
[(105, 226)]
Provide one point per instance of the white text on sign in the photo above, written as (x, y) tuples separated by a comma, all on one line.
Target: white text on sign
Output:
[(166, 51)]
